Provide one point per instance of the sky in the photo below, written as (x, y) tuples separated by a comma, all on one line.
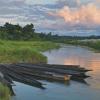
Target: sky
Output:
[(63, 17)]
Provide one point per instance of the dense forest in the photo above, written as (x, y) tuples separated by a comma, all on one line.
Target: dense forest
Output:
[(16, 32)]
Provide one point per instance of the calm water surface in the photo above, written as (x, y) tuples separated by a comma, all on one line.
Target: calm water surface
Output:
[(72, 91)]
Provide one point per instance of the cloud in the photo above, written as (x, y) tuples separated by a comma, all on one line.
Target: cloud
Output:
[(98, 1), (71, 3), (63, 14), (78, 2), (31, 2), (86, 14)]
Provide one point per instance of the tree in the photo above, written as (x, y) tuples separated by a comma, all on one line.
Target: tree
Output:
[(28, 31)]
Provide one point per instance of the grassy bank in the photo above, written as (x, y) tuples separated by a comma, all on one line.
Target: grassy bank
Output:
[(24, 51), (94, 45), (4, 92)]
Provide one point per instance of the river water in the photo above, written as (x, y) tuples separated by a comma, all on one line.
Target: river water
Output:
[(74, 90)]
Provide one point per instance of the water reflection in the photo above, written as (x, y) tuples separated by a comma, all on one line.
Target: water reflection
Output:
[(92, 63), (72, 55), (73, 91)]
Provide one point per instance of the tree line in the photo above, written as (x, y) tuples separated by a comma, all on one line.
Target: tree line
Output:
[(16, 32)]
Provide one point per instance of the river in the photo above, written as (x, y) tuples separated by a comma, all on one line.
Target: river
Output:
[(67, 55)]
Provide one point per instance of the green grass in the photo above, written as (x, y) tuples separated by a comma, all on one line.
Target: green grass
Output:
[(24, 51), (4, 92), (94, 45)]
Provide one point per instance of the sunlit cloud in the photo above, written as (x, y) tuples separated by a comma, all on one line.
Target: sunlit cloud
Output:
[(86, 14), (98, 1)]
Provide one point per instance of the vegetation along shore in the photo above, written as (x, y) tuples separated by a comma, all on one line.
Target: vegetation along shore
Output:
[(4, 92)]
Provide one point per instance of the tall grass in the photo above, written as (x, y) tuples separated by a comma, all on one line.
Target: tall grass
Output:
[(24, 51), (4, 92), (95, 45)]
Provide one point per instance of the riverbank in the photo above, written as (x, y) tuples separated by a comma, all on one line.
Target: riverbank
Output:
[(93, 45), (30, 51), (24, 51)]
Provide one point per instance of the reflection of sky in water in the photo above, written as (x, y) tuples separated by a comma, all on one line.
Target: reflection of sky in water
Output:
[(72, 55), (54, 91), (73, 91)]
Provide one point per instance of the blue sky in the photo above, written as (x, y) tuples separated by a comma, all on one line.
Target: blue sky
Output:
[(64, 17)]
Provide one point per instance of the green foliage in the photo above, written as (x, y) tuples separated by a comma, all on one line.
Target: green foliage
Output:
[(4, 92), (24, 51), (92, 44), (16, 32)]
